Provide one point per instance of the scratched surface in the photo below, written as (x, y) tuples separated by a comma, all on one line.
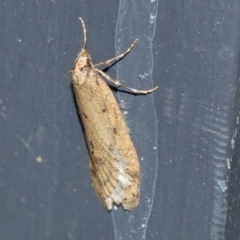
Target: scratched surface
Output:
[(186, 133), (144, 130)]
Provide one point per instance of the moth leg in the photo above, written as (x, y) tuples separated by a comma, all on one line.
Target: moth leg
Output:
[(117, 57), (118, 84)]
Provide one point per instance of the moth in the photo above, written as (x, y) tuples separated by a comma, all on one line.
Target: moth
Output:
[(114, 164)]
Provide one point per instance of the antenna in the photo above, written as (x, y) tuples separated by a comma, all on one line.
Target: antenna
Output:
[(84, 32)]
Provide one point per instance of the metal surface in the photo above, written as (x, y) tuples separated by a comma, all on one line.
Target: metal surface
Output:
[(186, 133)]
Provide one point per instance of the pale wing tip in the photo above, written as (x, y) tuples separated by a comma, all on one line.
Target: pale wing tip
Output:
[(108, 204), (127, 205)]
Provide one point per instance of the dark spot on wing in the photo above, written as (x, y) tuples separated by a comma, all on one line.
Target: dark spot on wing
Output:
[(84, 114)]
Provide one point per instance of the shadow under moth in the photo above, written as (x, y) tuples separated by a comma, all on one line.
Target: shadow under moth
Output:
[(114, 164)]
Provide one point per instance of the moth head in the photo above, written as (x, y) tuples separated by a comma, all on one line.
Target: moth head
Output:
[(83, 59)]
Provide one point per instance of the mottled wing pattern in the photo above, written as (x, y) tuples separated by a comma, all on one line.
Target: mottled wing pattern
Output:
[(114, 182)]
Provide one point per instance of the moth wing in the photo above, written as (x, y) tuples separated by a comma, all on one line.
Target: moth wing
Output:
[(113, 182), (114, 163)]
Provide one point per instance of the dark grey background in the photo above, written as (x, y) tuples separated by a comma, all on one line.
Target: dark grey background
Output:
[(45, 188)]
